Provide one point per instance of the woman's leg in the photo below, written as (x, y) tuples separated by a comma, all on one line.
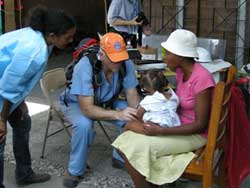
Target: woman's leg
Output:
[(147, 154), (20, 122), (2, 145), (138, 179)]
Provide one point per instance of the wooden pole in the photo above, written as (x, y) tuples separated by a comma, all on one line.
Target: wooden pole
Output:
[(106, 15), (20, 13), (9, 15)]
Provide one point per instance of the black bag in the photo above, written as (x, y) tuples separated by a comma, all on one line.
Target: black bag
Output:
[(87, 47)]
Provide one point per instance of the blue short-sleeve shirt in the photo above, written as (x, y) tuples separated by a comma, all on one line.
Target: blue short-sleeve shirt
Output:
[(82, 82), (23, 58)]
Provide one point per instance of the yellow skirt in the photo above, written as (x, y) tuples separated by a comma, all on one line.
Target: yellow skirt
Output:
[(161, 159)]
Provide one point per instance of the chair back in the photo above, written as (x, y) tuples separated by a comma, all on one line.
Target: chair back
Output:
[(218, 120), (231, 74), (219, 116), (210, 158), (52, 81)]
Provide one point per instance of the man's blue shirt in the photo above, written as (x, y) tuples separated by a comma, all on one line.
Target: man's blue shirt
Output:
[(82, 82)]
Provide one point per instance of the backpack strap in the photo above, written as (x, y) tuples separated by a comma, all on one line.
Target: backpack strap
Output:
[(121, 75), (97, 67), (97, 78)]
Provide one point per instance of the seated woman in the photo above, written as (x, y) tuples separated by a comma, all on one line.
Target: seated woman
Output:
[(157, 155)]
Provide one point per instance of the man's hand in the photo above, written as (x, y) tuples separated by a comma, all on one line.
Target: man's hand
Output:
[(152, 129), (3, 130), (128, 114), (134, 22)]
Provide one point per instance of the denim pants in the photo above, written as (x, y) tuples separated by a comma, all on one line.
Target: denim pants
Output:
[(1, 163), (83, 135), (21, 129)]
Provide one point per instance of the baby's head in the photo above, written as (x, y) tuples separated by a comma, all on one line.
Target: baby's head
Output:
[(153, 80)]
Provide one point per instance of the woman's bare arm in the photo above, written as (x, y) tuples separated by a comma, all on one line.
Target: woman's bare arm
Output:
[(202, 114)]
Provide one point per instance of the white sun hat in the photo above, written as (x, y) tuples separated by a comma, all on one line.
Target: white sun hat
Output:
[(182, 42), (204, 55)]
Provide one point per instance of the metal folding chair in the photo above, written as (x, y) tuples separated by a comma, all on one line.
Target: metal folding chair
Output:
[(53, 81)]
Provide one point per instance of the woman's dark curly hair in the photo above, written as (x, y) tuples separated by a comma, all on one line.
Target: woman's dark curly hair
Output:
[(154, 79), (50, 20)]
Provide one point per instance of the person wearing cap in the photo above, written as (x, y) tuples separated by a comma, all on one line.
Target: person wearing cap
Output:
[(24, 55), (126, 17), (82, 111), (159, 155)]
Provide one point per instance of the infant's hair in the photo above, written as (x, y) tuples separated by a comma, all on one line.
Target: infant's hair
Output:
[(154, 79)]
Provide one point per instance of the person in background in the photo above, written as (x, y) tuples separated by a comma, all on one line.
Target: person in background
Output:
[(161, 154), (126, 17), (160, 104), (23, 58), (87, 101)]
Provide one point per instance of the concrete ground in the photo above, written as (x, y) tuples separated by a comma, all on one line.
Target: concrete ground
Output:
[(100, 175)]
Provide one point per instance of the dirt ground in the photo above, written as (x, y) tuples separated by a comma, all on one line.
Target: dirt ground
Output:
[(100, 175)]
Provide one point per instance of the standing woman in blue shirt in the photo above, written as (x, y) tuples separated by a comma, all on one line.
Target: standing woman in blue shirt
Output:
[(23, 58)]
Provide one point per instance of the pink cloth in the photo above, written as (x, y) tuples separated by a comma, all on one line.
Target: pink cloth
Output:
[(199, 80)]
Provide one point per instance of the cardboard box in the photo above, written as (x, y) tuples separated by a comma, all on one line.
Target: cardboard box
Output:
[(148, 53)]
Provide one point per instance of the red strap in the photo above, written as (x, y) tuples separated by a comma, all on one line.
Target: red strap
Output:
[(88, 44), (243, 80)]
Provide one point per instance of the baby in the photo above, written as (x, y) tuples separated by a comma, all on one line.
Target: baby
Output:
[(159, 106)]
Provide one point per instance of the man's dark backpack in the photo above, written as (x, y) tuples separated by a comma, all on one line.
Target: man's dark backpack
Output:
[(89, 47)]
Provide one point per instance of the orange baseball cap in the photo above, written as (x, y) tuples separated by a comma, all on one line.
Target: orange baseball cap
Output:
[(114, 46)]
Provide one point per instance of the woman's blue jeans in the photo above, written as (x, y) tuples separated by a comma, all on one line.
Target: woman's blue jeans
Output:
[(21, 129), (1, 163)]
